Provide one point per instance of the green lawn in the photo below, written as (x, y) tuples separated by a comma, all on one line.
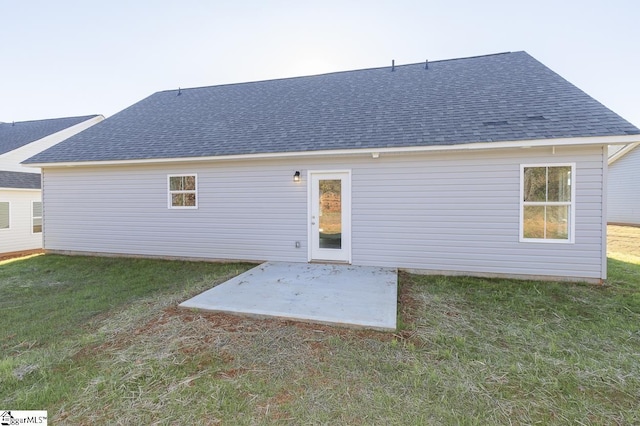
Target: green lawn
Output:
[(94, 340)]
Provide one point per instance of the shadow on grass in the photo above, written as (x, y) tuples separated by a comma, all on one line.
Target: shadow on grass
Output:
[(623, 273)]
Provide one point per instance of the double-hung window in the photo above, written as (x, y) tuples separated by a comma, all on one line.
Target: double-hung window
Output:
[(183, 191), (547, 203), (36, 217), (4, 215)]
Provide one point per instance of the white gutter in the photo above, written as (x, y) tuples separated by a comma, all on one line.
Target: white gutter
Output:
[(598, 140), (21, 189)]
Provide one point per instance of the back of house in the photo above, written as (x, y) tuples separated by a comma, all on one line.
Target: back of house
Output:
[(490, 165)]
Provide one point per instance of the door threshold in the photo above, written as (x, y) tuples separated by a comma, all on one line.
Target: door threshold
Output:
[(330, 262)]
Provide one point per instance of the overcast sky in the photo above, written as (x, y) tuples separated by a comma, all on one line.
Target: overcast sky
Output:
[(68, 58)]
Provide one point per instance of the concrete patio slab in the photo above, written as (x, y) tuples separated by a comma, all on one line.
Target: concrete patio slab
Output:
[(347, 295)]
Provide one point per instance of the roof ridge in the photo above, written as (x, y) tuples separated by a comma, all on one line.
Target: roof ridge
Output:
[(455, 59), (332, 72), (471, 57)]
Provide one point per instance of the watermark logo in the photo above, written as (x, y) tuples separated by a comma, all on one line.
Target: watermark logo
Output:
[(15, 417)]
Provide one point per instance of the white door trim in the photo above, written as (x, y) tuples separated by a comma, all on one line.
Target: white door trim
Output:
[(344, 254)]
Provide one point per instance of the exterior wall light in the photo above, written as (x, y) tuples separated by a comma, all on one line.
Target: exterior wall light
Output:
[(296, 176)]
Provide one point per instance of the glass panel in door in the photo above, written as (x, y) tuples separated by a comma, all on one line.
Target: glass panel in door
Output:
[(330, 214)]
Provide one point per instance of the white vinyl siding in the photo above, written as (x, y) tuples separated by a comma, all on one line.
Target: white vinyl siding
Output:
[(460, 213), (451, 212), (19, 236), (623, 198)]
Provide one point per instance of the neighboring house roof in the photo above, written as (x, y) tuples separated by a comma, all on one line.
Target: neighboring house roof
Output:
[(17, 134), (502, 97), (19, 180)]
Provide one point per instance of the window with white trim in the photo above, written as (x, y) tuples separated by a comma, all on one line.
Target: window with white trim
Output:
[(547, 203), (183, 191), (4, 215), (36, 217)]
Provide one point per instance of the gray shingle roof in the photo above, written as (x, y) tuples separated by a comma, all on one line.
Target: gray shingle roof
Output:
[(500, 97), (15, 135), (19, 180)]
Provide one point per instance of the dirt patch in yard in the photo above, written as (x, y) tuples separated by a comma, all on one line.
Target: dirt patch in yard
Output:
[(19, 254), (241, 323), (199, 331)]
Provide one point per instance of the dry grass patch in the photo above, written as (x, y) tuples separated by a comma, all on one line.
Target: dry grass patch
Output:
[(623, 242), (193, 367)]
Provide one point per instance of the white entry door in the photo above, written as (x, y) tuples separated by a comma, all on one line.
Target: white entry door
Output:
[(330, 216)]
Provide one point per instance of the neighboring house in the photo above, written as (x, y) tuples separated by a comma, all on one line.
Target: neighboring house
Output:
[(623, 183), (488, 165), (20, 195)]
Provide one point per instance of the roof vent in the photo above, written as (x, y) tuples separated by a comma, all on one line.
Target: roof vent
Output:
[(495, 123), (179, 91), (426, 64), (393, 65)]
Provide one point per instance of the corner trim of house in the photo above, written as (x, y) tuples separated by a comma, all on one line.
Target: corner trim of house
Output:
[(604, 191)]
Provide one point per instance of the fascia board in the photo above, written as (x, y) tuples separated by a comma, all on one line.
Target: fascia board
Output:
[(556, 142)]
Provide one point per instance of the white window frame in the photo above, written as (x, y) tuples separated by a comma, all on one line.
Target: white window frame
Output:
[(571, 204), (9, 227), (170, 192), (37, 217)]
